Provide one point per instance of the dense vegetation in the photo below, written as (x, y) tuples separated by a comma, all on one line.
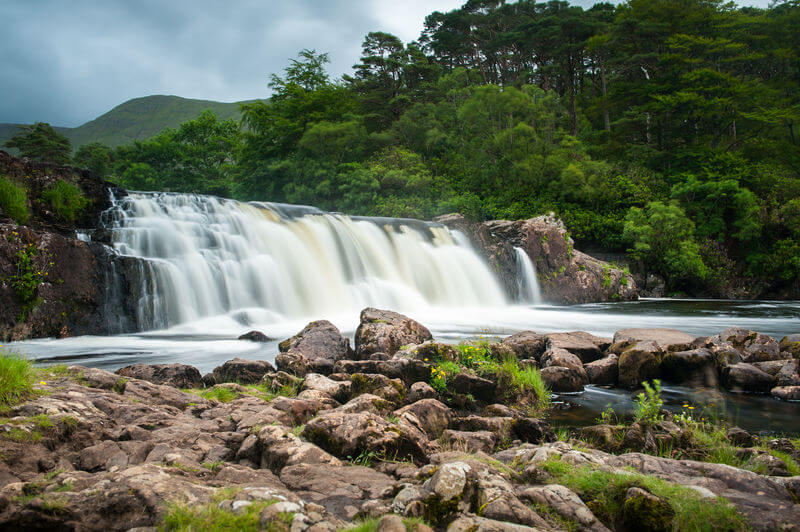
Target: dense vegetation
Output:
[(662, 127)]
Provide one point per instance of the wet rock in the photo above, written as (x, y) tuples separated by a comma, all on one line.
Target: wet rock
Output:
[(526, 344), (242, 371), (640, 362), (786, 393), (641, 510), (560, 379), (754, 346), (433, 416), (471, 442), (604, 371), (745, 377), (696, 366), (386, 332), (177, 375), (790, 345), (565, 503), (255, 336), (665, 339)]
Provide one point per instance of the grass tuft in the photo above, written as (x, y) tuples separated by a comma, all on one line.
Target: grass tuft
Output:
[(16, 378)]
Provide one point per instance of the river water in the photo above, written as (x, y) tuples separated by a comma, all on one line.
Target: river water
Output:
[(214, 269)]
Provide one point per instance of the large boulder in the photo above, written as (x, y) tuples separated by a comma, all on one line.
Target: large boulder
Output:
[(434, 417), (526, 344), (640, 362), (604, 371), (316, 348), (665, 339), (561, 379), (177, 375), (754, 346), (696, 366), (790, 345), (384, 331), (745, 377), (242, 371), (585, 346)]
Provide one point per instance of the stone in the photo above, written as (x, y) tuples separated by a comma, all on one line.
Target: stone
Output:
[(666, 339), (449, 481), (344, 434), (556, 356), (560, 379), (433, 416), (391, 523), (421, 390), (526, 345), (565, 503), (745, 377), (739, 437), (242, 371), (393, 390), (604, 371), (279, 448), (754, 346), (318, 346), (786, 393), (789, 374), (338, 391), (587, 347), (790, 345), (471, 442), (255, 336), (385, 331), (367, 402), (640, 362), (695, 366), (465, 383), (532, 430), (177, 375)]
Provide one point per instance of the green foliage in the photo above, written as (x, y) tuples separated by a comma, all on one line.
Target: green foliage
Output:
[(608, 416), (27, 279), (40, 141), (14, 201), (605, 491), (95, 157), (66, 199), (520, 380), (649, 403), (211, 518), (16, 378)]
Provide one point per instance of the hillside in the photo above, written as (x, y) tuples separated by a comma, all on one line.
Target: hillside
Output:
[(137, 119)]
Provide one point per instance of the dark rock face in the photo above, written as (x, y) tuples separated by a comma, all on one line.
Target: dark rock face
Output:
[(384, 331), (566, 275), (177, 375), (255, 336), (640, 362), (746, 377)]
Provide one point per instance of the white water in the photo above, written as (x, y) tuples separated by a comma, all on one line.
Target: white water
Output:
[(527, 280), (259, 263)]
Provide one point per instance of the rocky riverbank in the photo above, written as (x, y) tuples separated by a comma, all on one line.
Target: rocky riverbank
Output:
[(397, 432)]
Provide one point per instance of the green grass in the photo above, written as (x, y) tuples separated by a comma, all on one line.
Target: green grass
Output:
[(523, 380), (225, 394), (16, 379), (371, 524), (66, 200), (604, 493), (14, 201), (211, 518)]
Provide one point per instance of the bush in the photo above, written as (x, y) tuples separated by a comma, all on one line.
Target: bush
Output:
[(65, 199), (14, 201), (649, 403), (16, 378)]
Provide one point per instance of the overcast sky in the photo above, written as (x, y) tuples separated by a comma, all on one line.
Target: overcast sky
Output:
[(68, 61)]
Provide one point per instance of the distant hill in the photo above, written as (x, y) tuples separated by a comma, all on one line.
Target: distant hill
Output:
[(137, 119)]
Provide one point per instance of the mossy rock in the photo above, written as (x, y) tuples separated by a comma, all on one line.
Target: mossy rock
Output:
[(644, 511)]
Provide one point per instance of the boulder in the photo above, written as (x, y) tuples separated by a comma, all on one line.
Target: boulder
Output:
[(320, 343), (641, 510), (276, 448), (789, 374), (242, 371), (556, 356), (604, 371), (177, 375), (790, 345), (466, 383), (587, 347), (526, 344), (739, 437), (366, 402), (420, 390), (384, 331), (754, 346), (640, 362), (665, 339), (532, 430), (433, 416), (745, 377), (390, 389), (255, 336), (336, 390), (471, 442), (696, 366), (786, 393), (724, 352), (565, 503), (561, 379), (408, 370)]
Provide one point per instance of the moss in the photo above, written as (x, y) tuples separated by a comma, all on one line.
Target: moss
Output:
[(119, 386)]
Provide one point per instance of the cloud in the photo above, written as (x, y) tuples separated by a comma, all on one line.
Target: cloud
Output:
[(68, 62)]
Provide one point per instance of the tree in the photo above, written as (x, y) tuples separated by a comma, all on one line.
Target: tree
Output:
[(41, 142), (94, 156)]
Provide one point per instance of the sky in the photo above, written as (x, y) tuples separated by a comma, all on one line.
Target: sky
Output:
[(68, 61)]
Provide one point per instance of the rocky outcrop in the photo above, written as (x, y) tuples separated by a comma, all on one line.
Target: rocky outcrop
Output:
[(316, 348), (384, 331), (566, 275)]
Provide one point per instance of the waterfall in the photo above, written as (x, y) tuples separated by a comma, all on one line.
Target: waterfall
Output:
[(527, 281), (260, 263)]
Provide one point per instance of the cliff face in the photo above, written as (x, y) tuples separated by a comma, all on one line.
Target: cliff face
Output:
[(51, 282), (566, 275)]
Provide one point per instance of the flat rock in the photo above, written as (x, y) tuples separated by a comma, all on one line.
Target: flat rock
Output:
[(587, 347), (177, 375), (604, 371), (666, 339)]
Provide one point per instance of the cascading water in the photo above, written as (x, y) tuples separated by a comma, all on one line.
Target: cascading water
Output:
[(261, 263), (527, 281)]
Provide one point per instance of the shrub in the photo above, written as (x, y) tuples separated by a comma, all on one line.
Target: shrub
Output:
[(525, 379), (649, 403), (66, 200), (14, 201), (16, 378)]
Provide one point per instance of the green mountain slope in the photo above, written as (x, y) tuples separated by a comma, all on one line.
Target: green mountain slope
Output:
[(137, 119)]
